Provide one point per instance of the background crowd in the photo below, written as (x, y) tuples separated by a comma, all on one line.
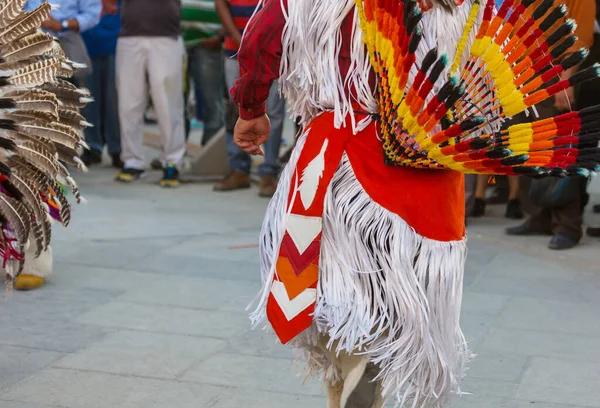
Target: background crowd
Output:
[(165, 53)]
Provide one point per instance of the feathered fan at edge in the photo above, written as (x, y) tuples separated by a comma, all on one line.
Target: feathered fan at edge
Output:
[(437, 113), (36, 133)]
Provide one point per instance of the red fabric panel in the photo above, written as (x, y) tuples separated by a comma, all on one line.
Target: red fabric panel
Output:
[(320, 129), (430, 201), (285, 330)]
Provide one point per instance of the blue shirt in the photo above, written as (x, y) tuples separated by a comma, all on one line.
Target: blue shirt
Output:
[(102, 39), (86, 12)]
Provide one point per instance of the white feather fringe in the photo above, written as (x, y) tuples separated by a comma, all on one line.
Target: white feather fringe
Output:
[(310, 77), (384, 291)]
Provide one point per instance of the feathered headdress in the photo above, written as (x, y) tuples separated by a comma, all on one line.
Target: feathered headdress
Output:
[(39, 135), (514, 63)]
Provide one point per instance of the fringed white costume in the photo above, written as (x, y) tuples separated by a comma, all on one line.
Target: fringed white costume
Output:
[(362, 261)]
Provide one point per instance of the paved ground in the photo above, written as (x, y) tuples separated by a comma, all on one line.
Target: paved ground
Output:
[(146, 310)]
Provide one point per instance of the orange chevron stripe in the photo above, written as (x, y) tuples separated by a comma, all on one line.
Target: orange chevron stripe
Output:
[(300, 261), (296, 284)]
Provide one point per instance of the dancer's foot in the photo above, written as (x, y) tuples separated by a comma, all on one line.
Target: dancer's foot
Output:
[(28, 282)]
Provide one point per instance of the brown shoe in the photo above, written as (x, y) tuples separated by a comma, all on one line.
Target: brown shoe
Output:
[(593, 232), (235, 180), (268, 185)]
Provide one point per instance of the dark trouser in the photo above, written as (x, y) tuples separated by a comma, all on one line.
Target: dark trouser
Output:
[(470, 187), (205, 68), (588, 95), (103, 112), (565, 220)]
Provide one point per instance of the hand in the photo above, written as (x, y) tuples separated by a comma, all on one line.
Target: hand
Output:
[(110, 7), (565, 101), (212, 43), (250, 134), (52, 24)]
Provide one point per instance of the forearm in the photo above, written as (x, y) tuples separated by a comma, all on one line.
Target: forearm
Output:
[(259, 59), (224, 14)]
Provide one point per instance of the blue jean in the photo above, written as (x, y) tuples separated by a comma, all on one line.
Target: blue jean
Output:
[(103, 112), (242, 161), (206, 70), (200, 111)]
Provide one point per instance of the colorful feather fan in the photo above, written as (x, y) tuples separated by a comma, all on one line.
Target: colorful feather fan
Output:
[(442, 113), (39, 132)]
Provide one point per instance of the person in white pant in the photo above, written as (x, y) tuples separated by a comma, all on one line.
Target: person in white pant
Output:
[(150, 52)]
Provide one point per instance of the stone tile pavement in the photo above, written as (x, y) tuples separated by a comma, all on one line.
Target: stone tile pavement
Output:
[(146, 310)]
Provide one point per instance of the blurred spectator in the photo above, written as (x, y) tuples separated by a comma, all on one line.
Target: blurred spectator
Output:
[(67, 20), (203, 37), (513, 207), (203, 40), (590, 95), (101, 43), (470, 187), (150, 46), (564, 223), (235, 15)]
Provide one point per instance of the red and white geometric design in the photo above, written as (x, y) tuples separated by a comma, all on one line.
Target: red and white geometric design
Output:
[(294, 289)]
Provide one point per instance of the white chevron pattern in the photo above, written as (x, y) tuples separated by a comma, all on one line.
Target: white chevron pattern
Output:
[(303, 230), (292, 308)]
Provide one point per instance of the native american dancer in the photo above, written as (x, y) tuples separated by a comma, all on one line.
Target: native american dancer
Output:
[(39, 136), (363, 246)]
